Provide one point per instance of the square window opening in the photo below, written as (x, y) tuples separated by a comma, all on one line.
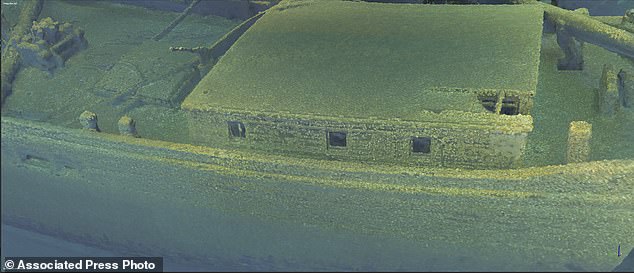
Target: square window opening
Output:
[(236, 129), (488, 102), (510, 106), (337, 139), (421, 145)]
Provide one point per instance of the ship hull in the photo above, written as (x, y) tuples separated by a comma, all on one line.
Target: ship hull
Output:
[(230, 209)]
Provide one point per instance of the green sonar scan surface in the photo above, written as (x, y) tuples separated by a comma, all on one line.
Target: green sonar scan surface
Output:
[(234, 167), (355, 59)]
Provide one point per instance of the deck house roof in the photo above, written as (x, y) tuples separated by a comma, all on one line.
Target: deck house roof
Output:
[(360, 59)]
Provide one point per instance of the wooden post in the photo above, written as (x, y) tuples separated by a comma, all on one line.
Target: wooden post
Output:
[(626, 88), (127, 126), (579, 135), (573, 50), (609, 102), (88, 121)]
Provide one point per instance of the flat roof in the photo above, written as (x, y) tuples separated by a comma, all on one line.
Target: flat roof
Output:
[(360, 59)]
